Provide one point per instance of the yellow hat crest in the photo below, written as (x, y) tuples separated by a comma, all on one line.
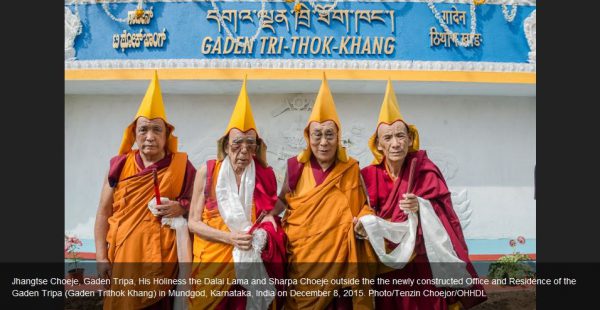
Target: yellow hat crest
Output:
[(242, 119), (152, 107), (389, 114), (323, 110)]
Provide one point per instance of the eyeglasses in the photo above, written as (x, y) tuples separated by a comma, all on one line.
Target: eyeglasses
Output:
[(317, 136), (237, 144)]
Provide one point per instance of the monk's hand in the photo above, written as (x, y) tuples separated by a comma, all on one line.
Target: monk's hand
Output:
[(359, 229), (104, 268), (242, 241), (271, 219), (410, 203), (170, 209)]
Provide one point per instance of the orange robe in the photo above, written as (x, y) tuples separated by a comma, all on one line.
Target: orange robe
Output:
[(320, 230), (214, 260), (138, 246)]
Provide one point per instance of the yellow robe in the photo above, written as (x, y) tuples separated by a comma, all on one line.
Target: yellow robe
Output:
[(321, 241), (138, 246)]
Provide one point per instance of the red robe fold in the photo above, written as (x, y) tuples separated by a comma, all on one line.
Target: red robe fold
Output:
[(429, 184)]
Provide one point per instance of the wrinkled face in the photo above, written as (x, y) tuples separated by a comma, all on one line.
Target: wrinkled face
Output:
[(323, 139), (393, 141), (240, 148), (150, 136)]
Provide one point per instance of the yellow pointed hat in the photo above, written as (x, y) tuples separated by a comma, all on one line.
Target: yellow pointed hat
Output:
[(389, 114), (242, 119), (323, 110), (152, 107)]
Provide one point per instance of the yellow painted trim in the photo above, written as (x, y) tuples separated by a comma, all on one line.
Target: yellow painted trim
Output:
[(301, 74)]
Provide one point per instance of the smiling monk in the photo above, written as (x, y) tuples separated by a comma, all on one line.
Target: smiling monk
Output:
[(323, 195)]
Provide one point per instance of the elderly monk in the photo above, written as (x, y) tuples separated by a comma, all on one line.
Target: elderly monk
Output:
[(127, 230), (405, 242), (323, 195), (230, 194)]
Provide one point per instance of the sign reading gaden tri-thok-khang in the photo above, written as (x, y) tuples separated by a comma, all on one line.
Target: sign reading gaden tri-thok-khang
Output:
[(394, 30)]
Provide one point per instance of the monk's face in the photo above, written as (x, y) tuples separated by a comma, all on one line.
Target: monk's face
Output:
[(151, 136), (393, 141), (323, 140), (241, 146)]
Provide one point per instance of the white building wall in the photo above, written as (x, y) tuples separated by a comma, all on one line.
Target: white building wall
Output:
[(485, 145)]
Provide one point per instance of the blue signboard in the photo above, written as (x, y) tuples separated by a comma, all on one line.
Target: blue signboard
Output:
[(398, 31)]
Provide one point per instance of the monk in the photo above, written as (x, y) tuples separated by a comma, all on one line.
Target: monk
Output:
[(323, 195), (395, 145), (129, 223), (230, 193)]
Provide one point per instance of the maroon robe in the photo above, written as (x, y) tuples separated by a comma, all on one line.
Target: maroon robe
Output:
[(429, 184), (273, 255)]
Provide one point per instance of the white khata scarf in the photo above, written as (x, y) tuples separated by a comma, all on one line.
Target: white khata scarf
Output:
[(235, 207), (443, 260)]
